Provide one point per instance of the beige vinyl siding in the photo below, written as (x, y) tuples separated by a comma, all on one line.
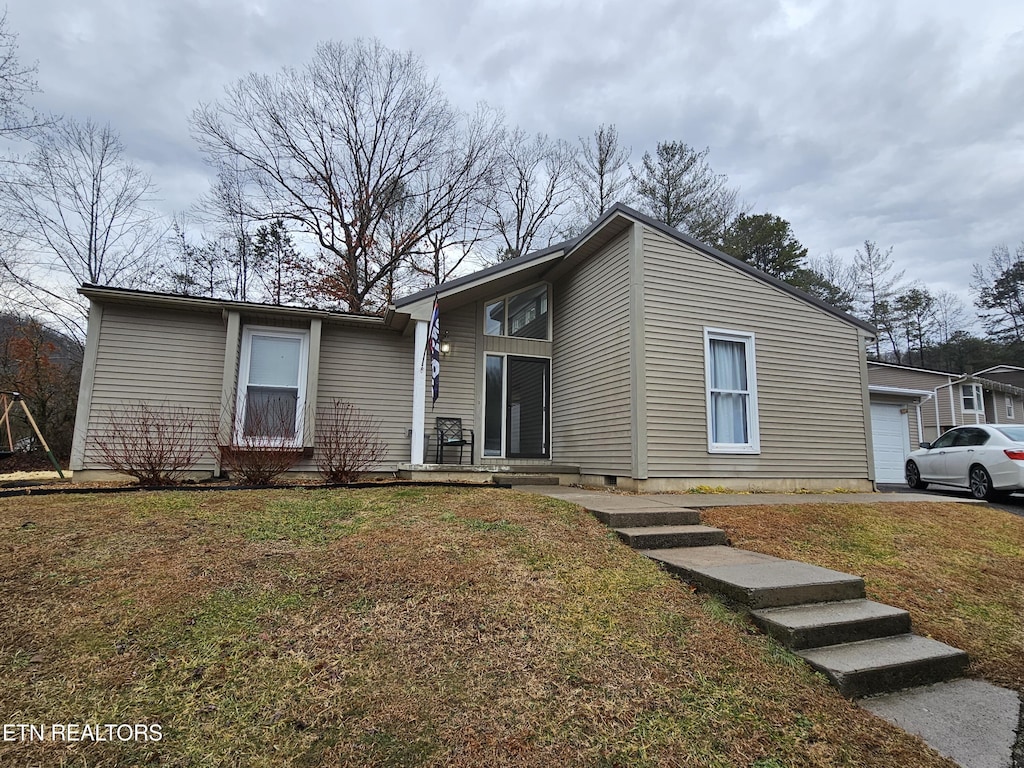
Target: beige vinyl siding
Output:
[(160, 358), (908, 379), (373, 370), (459, 382), (810, 393), (885, 376), (590, 397)]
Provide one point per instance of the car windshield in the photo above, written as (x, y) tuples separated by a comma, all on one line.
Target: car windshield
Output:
[(1014, 433)]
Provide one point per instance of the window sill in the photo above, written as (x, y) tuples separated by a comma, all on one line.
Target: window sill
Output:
[(738, 450), (305, 451)]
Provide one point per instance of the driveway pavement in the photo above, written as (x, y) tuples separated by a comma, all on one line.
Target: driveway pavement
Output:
[(1014, 504)]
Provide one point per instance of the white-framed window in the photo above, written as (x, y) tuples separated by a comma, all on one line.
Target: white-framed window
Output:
[(1009, 407), (524, 314), (731, 382), (271, 387), (973, 401)]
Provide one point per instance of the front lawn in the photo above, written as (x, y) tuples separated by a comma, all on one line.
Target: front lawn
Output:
[(958, 568), (393, 627)]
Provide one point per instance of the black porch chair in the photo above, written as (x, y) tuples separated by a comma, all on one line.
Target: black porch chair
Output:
[(451, 434)]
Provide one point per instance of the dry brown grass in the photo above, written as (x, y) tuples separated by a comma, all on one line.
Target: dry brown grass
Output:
[(958, 568), (437, 627)]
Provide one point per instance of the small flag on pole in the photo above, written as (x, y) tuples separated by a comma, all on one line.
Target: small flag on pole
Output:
[(434, 345)]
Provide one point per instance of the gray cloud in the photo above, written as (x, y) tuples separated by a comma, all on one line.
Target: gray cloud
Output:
[(854, 120)]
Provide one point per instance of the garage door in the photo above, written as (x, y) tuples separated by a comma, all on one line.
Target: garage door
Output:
[(889, 430)]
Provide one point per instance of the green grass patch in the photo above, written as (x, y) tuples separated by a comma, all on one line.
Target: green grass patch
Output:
[(956, 567), (391, 627)]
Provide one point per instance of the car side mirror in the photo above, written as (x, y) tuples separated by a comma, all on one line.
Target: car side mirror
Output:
[(926, 446)]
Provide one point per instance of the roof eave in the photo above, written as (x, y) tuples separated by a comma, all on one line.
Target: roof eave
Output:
[(128, 296)]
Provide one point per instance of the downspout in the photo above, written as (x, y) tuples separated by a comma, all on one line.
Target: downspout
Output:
[(920, 427)]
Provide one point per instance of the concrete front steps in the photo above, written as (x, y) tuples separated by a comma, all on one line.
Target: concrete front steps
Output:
[(863, 647)]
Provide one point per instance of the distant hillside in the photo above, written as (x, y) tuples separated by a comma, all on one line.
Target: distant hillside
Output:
[(44, 365)]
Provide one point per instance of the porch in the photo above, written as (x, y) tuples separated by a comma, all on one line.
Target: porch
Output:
[(501, 474)]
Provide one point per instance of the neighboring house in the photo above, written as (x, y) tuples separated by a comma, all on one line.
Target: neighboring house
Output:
[(632, 354), (1007, 374), (914, 405)]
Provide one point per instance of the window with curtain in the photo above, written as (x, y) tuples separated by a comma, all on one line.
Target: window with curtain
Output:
[(731, 392)]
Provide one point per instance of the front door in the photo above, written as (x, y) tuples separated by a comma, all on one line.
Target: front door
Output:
[(517, 396)]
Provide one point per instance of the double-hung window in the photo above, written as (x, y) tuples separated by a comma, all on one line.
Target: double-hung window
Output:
[(271, 387), (731, 384), (1009, 407), (972, 398)]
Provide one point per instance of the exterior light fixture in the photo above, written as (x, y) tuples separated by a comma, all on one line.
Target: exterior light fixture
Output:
[(446, 346)]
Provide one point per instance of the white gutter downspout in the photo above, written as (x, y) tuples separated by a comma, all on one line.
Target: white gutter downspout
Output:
[(952, 406), (920, 427)]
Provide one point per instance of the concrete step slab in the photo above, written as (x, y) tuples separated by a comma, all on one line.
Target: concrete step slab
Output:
[(642, 518), (510, 481), (755, 580), (818, 624), (668, 536), (886, 664)]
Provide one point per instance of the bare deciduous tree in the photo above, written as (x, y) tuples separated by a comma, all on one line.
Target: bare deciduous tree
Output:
[(601, 174), (453, 239), (533, 192), (17, 82), (226, 209), (950, 316), (80, 206), (359, 149)]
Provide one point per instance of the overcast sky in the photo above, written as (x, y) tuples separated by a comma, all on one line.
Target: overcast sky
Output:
[(898, 122)]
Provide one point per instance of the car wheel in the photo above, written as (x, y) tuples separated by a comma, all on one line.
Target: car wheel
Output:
[(981, 483), (913, 475)]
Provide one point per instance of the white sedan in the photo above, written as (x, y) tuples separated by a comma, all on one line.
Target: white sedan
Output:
[(987, 459)]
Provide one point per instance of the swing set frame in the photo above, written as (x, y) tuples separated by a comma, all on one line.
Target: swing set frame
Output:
[(7, 401)]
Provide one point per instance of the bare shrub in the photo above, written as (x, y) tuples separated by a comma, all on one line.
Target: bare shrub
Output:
[(155, 444), (264, 447), (348, 442)]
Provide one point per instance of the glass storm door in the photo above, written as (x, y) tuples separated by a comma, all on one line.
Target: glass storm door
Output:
[(526, 401)]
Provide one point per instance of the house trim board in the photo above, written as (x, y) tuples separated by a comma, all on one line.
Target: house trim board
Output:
[(85, 387), (229, 380), (638, 353), (419, 392), (312, 380), (863, 338)]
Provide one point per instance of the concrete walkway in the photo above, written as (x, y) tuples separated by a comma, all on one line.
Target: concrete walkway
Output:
[(975, 724)]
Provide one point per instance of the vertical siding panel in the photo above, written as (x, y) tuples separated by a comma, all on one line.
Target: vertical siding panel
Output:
[(457, 397), (590, 400), (372, 370)]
